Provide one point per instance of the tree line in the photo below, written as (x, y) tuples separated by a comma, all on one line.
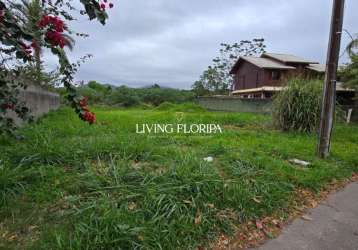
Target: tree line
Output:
[(124, 96)]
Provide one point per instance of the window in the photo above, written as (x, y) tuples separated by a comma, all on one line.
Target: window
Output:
[(275, 75)]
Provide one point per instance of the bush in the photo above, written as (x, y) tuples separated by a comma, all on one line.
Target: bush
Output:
[(128, 97), (298, 106), (157, 95), (93, 96), (123, 96), (165, 106), (94, 91)]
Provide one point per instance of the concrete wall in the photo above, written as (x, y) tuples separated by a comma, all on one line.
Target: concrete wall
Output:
[(235, 104), (38, 100)]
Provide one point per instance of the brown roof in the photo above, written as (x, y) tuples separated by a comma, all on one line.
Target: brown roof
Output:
[(260, 62), (286, 58)]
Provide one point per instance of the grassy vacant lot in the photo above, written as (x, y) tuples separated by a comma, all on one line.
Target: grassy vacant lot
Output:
[(68, 185)]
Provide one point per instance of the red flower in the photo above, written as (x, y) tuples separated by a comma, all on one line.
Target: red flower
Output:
[(34, 45), (55, 38), (58, 24), (111, 5), (55, 27), (103, 6), (45, 20), (89, 117)]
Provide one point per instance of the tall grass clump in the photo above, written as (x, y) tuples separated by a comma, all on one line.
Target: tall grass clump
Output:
[(298, 106)]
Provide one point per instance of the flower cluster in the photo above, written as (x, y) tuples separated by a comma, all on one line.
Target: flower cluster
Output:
[(54, 21), (85, 113), (103, 5), (89, 117), (55, 38), (56, 27)]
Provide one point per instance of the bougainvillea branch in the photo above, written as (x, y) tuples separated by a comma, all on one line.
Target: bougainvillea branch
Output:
[(17, 44)]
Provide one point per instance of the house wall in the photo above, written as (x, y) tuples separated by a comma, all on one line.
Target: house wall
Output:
[(268, 81), (248, 76)]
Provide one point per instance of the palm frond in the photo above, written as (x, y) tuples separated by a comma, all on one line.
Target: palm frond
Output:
[(353, 45), (69, 41)]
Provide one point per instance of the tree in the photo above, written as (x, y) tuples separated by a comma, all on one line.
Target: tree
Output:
[(214, 81), (199, 89), (216, 78), (124, 96), (17, 46), (349, 72)]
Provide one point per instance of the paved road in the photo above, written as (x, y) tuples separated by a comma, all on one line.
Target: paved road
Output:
[(334, 226)]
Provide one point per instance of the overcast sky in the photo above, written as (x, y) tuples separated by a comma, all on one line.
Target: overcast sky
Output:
[(170, 42)]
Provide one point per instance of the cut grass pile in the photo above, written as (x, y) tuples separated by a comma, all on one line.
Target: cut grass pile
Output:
[(69, 185)]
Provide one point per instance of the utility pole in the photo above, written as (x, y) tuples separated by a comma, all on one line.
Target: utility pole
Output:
[(329, 89)]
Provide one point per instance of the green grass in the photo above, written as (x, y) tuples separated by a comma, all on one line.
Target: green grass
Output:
[(69, 185)]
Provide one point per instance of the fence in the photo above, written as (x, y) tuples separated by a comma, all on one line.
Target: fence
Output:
[(354, 114), (38, 100)]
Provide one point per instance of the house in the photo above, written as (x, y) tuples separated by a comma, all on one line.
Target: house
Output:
[(260, 77)]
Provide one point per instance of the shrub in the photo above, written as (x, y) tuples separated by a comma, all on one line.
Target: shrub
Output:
[(123, 96), (93, 95), (165, 106), (157, 95), (129, 97), (298, 106)]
